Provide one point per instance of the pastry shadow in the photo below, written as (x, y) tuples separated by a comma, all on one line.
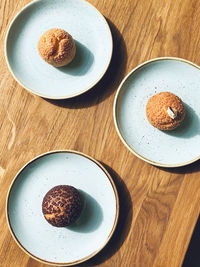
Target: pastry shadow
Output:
[(108, 83), (190, 127), (91, 217), (123, 226), (81, 63)]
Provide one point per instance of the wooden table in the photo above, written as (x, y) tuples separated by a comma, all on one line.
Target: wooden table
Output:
[(159, 207)]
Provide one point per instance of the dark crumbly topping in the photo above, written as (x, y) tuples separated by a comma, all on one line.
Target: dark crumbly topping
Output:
[(62, 205)]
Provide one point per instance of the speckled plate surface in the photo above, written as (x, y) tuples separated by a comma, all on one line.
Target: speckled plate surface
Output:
[(162, 148), (66, 245), (93, 42)]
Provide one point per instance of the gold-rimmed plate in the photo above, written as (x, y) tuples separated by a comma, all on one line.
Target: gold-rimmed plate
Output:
[(93, 40), (162, 148), (62, 246)]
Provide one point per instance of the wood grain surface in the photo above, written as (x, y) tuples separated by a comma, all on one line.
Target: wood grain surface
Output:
[(158, 207)]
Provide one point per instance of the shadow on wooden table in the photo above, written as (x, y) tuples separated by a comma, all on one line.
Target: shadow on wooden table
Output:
[(192, 256), (110, 81), (193, 167), (123, 226)]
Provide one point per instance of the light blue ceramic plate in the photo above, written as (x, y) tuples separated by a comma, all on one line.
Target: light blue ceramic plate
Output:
[(90, 32), (168, 149), (68, 245)]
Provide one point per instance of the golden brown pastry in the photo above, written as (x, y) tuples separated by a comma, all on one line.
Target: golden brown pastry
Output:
[(62, 205), (57, 47), (165, 111)]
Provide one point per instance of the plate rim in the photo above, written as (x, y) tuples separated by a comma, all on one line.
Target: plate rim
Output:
[(116, 203), (58, 97), (132, 150)]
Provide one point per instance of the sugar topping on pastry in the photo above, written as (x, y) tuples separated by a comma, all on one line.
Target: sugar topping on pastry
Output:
[(57, 47)]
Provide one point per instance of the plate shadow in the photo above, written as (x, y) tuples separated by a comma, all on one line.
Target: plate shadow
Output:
[(192, 256), (190, 168)]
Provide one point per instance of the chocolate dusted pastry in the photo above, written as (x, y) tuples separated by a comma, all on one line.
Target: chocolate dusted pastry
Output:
[(62, 205)]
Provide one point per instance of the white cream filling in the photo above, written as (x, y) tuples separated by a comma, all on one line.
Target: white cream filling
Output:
[(172, 112)]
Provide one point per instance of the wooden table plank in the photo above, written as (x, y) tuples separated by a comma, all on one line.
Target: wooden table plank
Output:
[(159, 207)]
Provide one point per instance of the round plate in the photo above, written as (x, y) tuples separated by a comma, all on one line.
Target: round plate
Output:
[(65, 245), (162, 148), (90, 32)]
